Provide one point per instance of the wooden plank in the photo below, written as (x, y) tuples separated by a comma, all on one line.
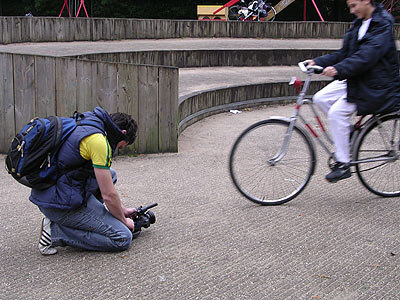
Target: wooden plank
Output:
[(129, 31), (7, 30), (64, 29), (7, 119), (168, 109), (25, 29), (128, 90), (66, 83), (84, 89), (43, 30), (2, 30), (45, 74), (105, 85), (148, 109), (36, 30), (82, 31), (97, 25), (16, 29), (102, 29), (24, 89)]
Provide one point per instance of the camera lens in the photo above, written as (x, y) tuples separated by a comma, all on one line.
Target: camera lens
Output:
[(151, 216)]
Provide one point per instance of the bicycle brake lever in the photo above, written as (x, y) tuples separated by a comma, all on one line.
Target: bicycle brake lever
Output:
[(303, 66)]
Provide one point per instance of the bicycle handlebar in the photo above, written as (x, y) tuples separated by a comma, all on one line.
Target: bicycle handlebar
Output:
[(306, 69)]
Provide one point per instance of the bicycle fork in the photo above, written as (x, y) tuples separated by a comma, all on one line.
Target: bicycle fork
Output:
[(292, 123), (285, 145)]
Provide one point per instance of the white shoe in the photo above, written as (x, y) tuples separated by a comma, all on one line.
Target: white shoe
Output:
[(45, 238)]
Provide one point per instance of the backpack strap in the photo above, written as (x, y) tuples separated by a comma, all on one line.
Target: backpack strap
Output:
[(90, 123), (80, 121)]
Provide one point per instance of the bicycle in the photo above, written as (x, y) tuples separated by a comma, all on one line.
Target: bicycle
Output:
[(281, 150), (255, 11)]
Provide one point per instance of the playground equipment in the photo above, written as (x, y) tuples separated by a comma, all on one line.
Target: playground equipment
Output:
[(393, 8), (81, 5), (277, 8), (390, 5), (256, 10), (205, 12)]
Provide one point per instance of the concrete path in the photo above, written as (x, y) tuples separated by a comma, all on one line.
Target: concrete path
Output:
[(192, 80), (335, 241), (78, 48)]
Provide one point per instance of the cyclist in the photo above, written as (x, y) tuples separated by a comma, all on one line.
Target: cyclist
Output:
[(366, 73)]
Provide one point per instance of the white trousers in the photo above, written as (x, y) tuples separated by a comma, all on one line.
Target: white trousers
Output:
[(332, 100)]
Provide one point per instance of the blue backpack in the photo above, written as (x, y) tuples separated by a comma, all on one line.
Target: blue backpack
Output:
[(31, 158)]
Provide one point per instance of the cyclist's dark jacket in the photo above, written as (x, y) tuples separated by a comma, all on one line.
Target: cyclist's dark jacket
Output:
[(70, 190), (370, 65)]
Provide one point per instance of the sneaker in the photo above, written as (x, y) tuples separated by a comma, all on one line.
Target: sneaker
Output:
[(45, 238), (339, 171)]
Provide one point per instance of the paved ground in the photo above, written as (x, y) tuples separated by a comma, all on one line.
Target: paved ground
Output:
[(335, 241), (77, 48), (192, 80)]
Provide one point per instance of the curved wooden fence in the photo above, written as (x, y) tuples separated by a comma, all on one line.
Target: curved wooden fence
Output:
[(143, 84), (210, 58), (48, 29)]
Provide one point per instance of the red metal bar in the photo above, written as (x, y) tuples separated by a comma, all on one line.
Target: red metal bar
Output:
[(84, 8), (305, 11), (358, 124), (228, 4), (311, 130), (316, 8), (320, 124), (65, 4)]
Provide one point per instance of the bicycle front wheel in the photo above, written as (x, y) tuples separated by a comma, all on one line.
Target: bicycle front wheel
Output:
[(256, 172), (271, 14), (380, 141)]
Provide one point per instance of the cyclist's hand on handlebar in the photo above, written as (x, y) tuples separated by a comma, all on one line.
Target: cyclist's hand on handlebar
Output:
[(330, 71), (309, 62)]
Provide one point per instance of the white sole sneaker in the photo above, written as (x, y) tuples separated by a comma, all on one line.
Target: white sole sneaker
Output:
[(45, 238)]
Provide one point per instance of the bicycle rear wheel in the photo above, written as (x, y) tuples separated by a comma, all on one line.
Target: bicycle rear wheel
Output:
[(380, 140), (254, 173), (233, 13)]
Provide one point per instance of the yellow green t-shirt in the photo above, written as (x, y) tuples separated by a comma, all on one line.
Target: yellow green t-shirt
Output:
[(96, 148)]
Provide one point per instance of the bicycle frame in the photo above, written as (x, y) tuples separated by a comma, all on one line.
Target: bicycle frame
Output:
[(301, 99)]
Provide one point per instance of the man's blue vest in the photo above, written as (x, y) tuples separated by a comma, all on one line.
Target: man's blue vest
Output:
[(70, 190)]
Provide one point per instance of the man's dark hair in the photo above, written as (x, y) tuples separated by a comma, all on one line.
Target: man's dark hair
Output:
[(125, 122)]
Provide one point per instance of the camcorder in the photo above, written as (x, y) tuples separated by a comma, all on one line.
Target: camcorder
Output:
[(142, 218)]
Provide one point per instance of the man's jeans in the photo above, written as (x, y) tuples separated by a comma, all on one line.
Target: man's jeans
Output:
[(89, 227)]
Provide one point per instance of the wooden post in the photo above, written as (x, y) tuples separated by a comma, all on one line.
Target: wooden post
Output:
[(168, 109), (84, 88), (24, 89), (45, 84), (128, 94), (7, 119), (148, 109), (105, 85), (66, 84)]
